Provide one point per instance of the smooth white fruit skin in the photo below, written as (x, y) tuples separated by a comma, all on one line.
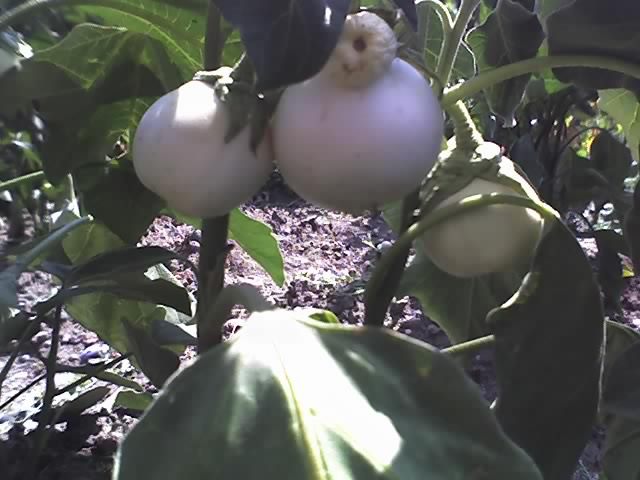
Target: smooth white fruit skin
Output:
[(179, 153), (498, 238), (352, 149)]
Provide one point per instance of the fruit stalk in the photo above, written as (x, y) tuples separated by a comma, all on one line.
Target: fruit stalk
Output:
[(213, 243), (467, 135)]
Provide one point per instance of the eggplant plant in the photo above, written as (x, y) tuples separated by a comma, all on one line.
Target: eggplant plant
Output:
[(453, 120)]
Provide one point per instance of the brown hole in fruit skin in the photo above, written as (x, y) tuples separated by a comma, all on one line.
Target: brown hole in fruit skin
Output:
[(360, 44)]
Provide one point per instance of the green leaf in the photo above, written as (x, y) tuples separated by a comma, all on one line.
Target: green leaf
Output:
[(90, 51), (74, 408), (430, 39), (137, 401), (334, 401), (459, 306), (102, 312), (122, 260), (180, 30), (133, 287), (511, 33), (258, 241), (123, 204), (9, 276), (254, 237), (116, 379), (92, 65), (624, 107), (549, 339), (589, 27), (157, 363)]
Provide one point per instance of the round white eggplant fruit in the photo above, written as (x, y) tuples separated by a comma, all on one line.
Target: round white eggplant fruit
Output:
[(365, 130), (179, 152)]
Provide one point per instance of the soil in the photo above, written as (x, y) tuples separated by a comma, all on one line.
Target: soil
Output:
[(328, 257)]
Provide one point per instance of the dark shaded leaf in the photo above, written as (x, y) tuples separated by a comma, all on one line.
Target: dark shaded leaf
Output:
[(156, 362), (612, 159), (133, 287), (74, 408), (621, 389), (119, 261), (123, 204), (9, 286), (549, 340), (589, 27), (577, 183), (523, 152), (287, 42), (12, 327), (511, 33), (371, 400), (631, 226), (619, 459), (610, 275), (166, 333), (408, 7)]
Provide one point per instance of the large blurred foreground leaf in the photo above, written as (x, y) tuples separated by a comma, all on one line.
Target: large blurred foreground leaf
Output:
[(291, 397)]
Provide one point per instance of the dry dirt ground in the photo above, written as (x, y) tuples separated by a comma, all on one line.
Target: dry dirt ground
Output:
[(327, 256)]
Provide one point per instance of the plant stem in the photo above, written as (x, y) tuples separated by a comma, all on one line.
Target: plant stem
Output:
[(213, 245), (474, 202), (213, 45), (377, 300), (42, 431), (26, 335), (24, 179), (451, 44), (22, 391), (57, 236), (472, 346), (497, 75), (98, 369)]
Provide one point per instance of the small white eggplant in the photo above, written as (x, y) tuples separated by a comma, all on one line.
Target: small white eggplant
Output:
[(179, 152)]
